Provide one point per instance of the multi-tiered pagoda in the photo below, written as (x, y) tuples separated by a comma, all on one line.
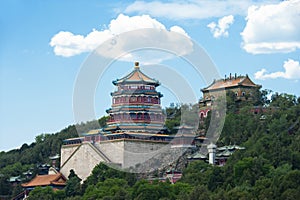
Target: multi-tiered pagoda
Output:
[(136, 108), (134, 137)]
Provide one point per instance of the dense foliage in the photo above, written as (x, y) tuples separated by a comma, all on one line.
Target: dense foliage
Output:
[(15, 162), (269, 167)]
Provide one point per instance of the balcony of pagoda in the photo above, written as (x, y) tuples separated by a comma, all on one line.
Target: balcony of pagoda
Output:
[(136, 121), (140, 100), (135, 88), (138, 92), (125, 110), (137, 136), (136, 106)]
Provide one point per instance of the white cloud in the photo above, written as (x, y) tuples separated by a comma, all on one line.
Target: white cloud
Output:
[(192, 9), (178, 29), (220, 29), (272, 28), (291, 67), (68, 44)]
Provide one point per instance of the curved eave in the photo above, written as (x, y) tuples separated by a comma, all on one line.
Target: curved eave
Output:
[(123, 82), (137, 92), (136, 77), (222, 84), (229, 87)]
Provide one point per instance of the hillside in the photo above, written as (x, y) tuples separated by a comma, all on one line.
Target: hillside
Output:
[(29, 157), (269, 167)]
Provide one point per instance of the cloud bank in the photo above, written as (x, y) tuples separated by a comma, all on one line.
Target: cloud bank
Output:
[(221, 29), (193, 9), (291, 71), (272, 28), (67, 44)]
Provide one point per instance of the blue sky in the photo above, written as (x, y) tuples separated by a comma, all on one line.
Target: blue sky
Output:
[(43, 45)]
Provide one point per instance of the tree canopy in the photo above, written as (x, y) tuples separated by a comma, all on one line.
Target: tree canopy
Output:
[(269, 167)]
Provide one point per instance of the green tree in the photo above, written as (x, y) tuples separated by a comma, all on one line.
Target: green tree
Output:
[(283, 101), (108, 189), (5, 187), (59, 195), (197, 173), (248, 170), (216, 178), (147, 191), (200, 193), (181, 190), (101, 172), (41, 193), (239, 193), (73, 186), (291, 194), (290, 181)]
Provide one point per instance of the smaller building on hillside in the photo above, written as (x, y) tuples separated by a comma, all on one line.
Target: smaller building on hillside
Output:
[(53, 179), (220, 155), (170, 175), (173, 176), (242, 87), (14, 180), (223, 153)]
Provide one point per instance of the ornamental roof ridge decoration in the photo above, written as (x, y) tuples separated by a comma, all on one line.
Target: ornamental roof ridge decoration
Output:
[(136, 76)]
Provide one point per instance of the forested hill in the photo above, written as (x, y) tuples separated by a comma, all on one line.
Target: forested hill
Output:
[(269, 167), (27, 158)]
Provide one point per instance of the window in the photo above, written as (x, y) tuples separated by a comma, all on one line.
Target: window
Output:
[(132, 99), (201, 115), (139, 116)]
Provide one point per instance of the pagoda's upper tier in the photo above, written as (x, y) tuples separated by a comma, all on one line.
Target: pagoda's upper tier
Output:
[(136, 77)]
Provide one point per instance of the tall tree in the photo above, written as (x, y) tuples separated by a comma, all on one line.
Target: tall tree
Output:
[(73, 186)]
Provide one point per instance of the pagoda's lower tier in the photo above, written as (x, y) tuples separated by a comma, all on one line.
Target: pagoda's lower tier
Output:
[(174, 140), (149, 128), (136, 111), (136, 120), (138, 136)]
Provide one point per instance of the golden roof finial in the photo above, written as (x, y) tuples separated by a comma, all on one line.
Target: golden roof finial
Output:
[(136, 65)]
